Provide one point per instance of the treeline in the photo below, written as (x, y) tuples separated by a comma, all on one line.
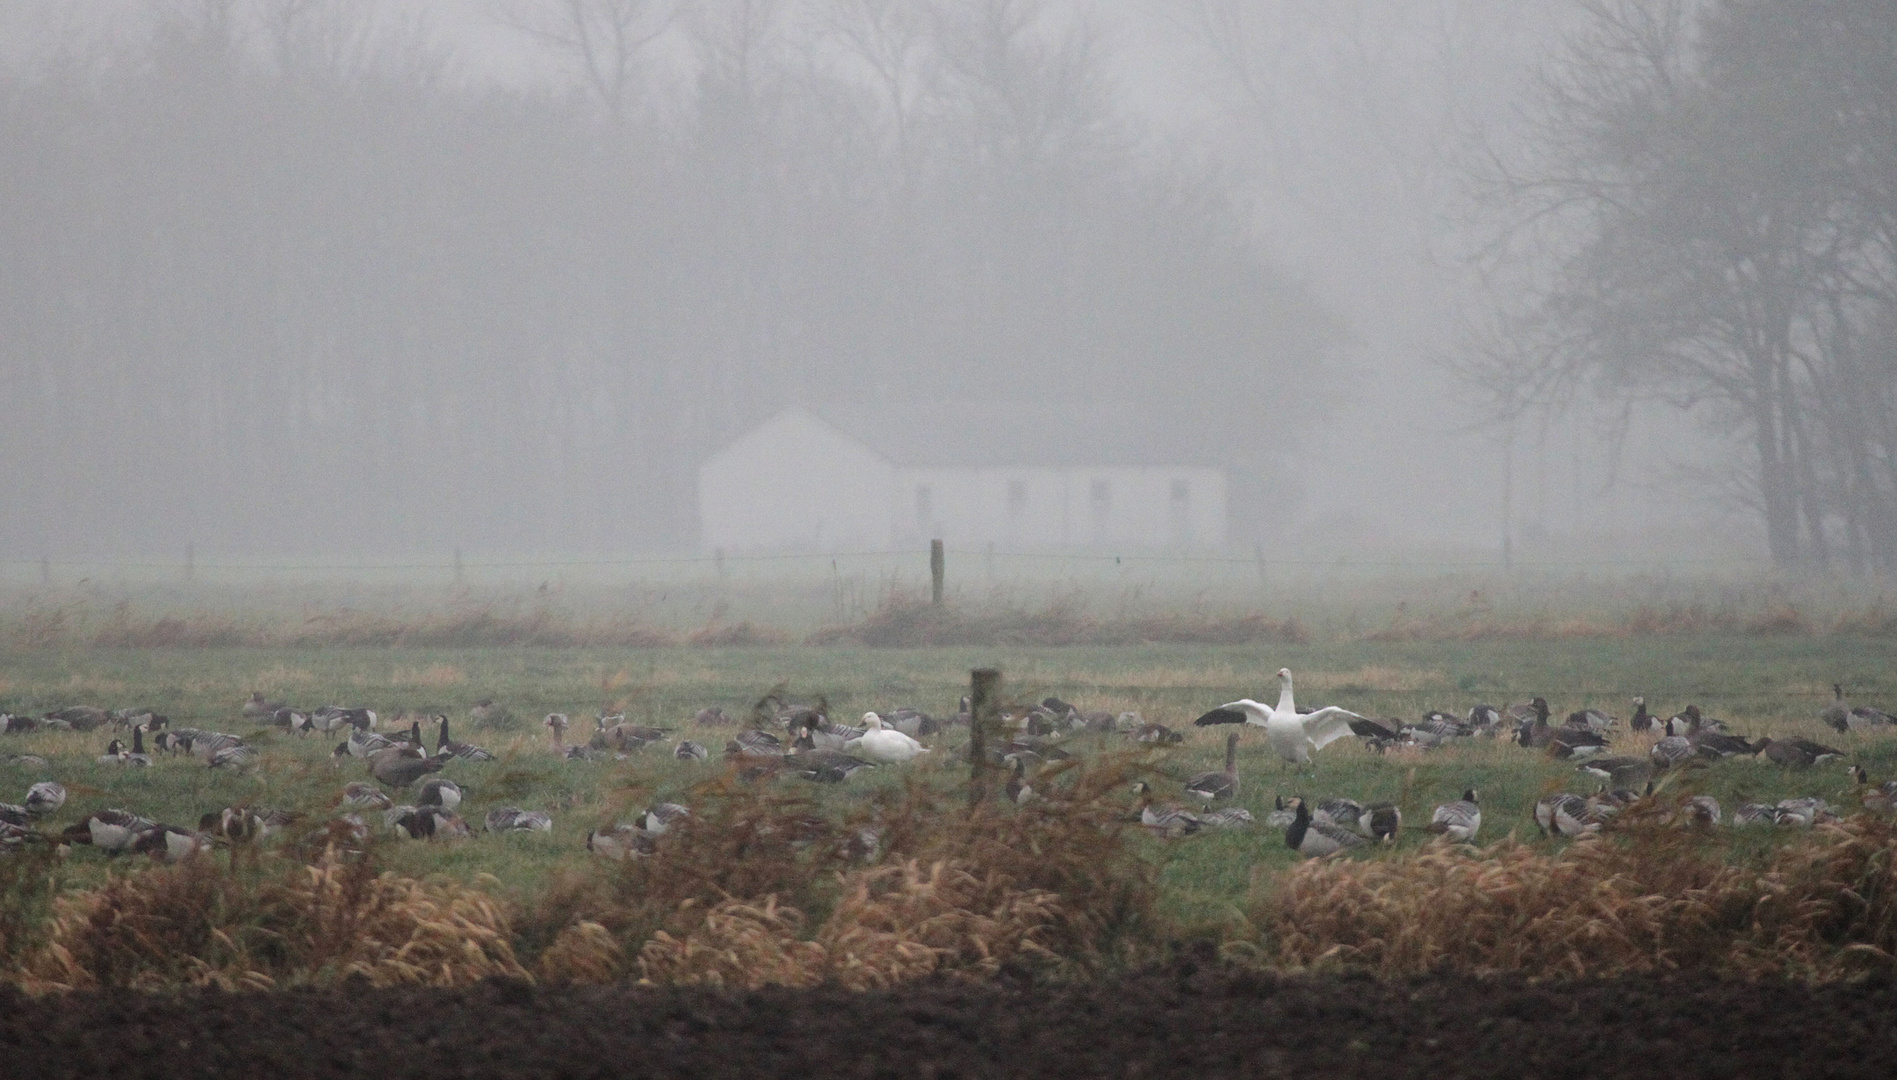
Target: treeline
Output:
[(1708, 216), (271, 282)]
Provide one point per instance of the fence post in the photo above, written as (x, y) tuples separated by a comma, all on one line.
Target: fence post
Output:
[(937, 567), (982, 684), (460, 575)]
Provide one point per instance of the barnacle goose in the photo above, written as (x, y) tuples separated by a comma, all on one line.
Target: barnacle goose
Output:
[(1459, 820), (1315, 839)]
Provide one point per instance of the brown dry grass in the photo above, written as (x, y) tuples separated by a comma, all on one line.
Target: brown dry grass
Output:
[(205, 923), (1644, 898)]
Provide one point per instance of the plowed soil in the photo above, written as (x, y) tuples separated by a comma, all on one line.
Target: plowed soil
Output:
[(1178, 1022)]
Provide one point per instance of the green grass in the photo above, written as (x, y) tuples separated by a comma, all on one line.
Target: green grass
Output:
[(1763, 685)]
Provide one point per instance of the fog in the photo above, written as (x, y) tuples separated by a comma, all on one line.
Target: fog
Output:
[(330, 281)]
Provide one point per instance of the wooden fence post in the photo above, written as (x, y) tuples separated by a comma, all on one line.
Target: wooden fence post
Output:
[(937, 567), (982, 705)]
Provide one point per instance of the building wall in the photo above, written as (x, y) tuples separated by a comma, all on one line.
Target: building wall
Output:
[(795, 483), (1181, 509)]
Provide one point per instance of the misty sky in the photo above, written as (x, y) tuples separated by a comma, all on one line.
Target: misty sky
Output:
[(1351, 134)]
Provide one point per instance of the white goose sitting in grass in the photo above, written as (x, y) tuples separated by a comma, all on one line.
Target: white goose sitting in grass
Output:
[(1294, 735), (883, 745), (1459, 820)]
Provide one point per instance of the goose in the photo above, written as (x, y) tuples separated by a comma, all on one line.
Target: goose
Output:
[(1380, 821), (1156, 735), (78, 717), (1343, 813), (1485, 719), (1757, 814), (511, 819), (1689, 721), (1228, 817), (1281, 815), (170, 843), (1718, 744), (1670, 751), (16, 837), (137, 756), (1620, 772), (1533, 731), (1315, 839), (822, 766), (1844, 716), (245, 823), (446, 747), (1592, 720), (426, 823), (1881, 799), (756, 744), (44, 798), (1807, 812), (14, 815), (1576, 745), (1458, 820), (1294, 735), (1375, 731), (661, 816), (1167, 821), (1702, 810), (26, 761), (621, 842), (885, 746), (239, 756), (398, 770), (112, 831), (687, 750), (292, 720), (1565, 815), (364, 743), (259, 709), (1643, 720), (915, 723), (1019, 791), (1213, 786), (1796, 753), (557, 723), (206, 744), (17, 725), (115, 754), (712, 716), (357, 793), (439, 791)]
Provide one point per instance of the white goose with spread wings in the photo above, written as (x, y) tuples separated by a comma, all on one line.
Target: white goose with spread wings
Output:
[(1294, 735)]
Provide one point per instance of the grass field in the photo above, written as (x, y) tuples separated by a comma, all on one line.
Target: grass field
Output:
[(1762, 685)]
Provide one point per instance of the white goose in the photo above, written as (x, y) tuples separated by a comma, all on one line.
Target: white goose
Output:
[(884, 745), (1294, 735)]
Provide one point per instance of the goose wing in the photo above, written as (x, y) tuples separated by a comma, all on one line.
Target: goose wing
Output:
[(1327, 725), (1224, 714)]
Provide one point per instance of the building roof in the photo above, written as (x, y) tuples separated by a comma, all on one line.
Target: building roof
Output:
[(967, 434)]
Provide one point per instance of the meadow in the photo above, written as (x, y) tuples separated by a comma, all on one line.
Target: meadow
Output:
[(1760, 684)]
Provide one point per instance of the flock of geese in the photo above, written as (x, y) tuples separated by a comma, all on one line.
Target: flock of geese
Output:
[(792, 741)]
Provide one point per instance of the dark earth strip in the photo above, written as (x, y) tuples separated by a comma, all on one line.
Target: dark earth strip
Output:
[(1175, 1022)]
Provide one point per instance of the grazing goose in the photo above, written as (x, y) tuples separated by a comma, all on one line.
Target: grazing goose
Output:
[(238, 756), (883, 745), (687, 750), (17, 725), (915, 723), (1565, 815), (1294, 735), (446, 747), (1576, 745), (1620, 772), (398, 770), (1796, 753), (1380, 821), (1212, 786), (1672, 750), (1315, 839), (292, 720), (78, 717), (1459, 820), (510, 819), (661, 816), (439, 791), (1228, 817), (206, 744), (1168, 821), (45, 798), (1643, 720), (170, 843), (111, 831), (621, 842)]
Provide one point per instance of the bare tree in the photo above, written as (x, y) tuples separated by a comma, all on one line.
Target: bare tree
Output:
[(602, 41)]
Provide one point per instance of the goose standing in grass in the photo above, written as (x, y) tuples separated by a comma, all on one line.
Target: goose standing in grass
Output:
[(1213, 786), (557, 723), (446, 747), (1642, 721), (1796, 753), (45, 798), (511, 819), (1293, 735), (885, 746), (1459, 820), (1718, 744), (1315, 839), (439, 791), (245, 823)]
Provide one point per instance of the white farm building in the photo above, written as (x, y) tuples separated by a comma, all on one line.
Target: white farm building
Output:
[(799, 482)]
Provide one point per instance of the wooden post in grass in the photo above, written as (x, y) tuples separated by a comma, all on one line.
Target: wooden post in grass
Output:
[(936, 569), (983, 704)]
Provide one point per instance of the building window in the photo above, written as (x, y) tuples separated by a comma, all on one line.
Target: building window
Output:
[(1017, 498)]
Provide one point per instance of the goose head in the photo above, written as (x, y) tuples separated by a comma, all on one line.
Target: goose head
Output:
[(872, 721)]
